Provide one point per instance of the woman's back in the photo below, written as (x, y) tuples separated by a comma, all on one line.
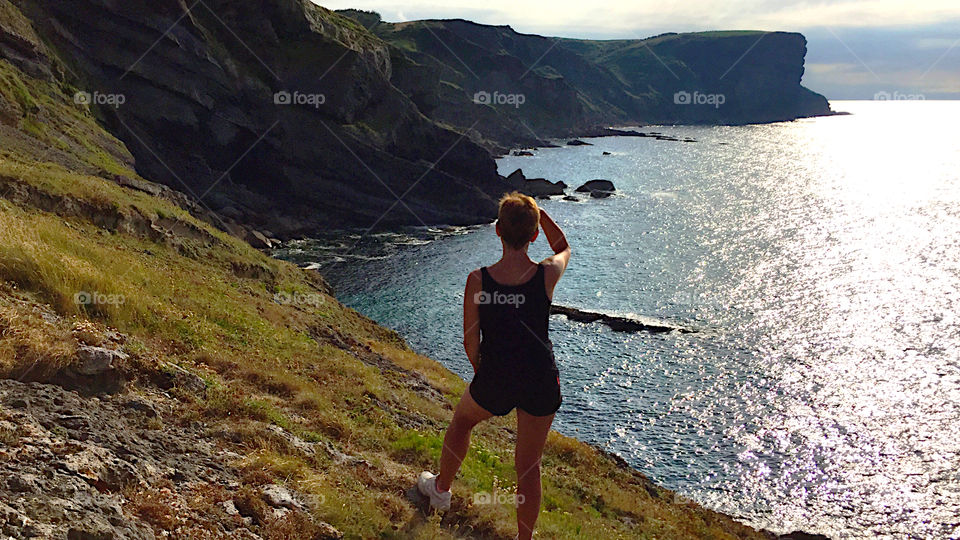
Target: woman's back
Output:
[(515, 320)]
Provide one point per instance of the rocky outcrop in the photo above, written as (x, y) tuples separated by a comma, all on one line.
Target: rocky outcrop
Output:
[(278, 111), (615, 322), (534, 187), (115, 218), (69, 460), (21, 46), (116, 466), (717, 77)]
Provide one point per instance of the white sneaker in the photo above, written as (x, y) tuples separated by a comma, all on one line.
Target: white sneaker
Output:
[(427, 485)]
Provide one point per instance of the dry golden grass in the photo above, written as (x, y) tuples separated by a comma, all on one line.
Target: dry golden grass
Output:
[(31, 348), (154, 507)]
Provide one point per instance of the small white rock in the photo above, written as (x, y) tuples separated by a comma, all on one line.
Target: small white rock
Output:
[(280, 497), (97, 360)]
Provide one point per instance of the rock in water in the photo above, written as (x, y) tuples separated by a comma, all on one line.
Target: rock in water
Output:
[(578, 142), (616, 323), (516, 178), (597, 188), (534, 187), (541, 187)]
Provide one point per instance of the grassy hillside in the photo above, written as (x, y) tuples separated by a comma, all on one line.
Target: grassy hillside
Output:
[(255, 359)]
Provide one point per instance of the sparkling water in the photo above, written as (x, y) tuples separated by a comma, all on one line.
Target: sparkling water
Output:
[(819, 262)]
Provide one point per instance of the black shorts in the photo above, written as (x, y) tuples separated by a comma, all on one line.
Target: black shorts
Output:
[(500, 390)]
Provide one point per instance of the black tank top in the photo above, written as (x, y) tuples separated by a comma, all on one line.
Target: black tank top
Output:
[(514, 323)]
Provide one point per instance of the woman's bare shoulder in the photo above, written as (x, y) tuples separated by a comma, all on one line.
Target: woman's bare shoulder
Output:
[(475, 276)]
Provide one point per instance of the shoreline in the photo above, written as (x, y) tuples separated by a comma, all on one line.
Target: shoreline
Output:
[(631, 130)]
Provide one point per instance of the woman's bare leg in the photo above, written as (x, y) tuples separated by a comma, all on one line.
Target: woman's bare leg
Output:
[(457, 439), (531, 437)]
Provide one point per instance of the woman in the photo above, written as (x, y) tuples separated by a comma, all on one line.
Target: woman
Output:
[(506, 310)]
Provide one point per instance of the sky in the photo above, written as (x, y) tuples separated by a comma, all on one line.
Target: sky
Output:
[(857, 49)]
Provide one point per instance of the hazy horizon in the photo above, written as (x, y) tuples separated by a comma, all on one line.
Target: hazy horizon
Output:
[(868, 48)]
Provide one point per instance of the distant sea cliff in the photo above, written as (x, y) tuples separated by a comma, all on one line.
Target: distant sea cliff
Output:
[(515, 89)]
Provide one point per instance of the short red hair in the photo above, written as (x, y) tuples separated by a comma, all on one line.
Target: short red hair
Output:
[(518, 218)]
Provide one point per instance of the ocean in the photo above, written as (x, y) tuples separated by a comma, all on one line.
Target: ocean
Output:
[(818, 262)]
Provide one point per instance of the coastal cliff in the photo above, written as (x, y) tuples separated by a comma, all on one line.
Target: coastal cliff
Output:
[(290, 119), (517, 89)]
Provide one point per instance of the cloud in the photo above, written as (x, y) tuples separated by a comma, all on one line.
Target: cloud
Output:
[(573, 17), (857, 62)]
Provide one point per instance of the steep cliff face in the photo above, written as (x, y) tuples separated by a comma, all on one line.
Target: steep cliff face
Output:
[(278, 113), (515, 89), (712, 77)]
